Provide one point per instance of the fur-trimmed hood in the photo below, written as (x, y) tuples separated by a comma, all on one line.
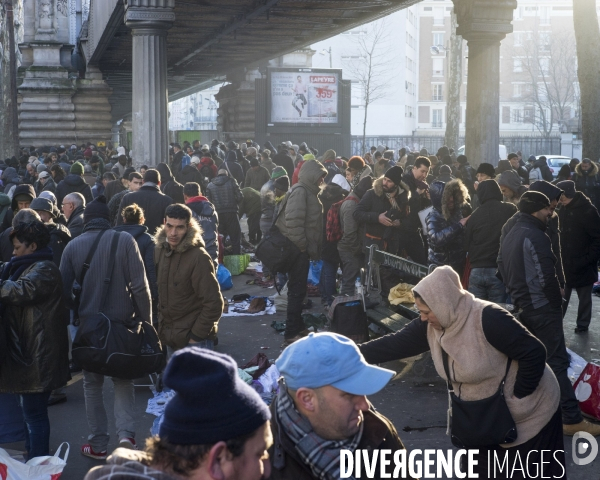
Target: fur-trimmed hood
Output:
[(591, 172), (378, 187), (193, 238), (441, 192)]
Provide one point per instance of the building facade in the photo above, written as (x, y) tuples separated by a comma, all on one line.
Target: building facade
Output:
[(538, 86)]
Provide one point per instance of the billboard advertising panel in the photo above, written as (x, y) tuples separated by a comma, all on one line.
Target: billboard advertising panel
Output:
[(304, 96)]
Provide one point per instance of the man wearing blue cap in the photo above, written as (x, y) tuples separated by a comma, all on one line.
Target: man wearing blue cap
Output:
[(216, 427), (322, 408)]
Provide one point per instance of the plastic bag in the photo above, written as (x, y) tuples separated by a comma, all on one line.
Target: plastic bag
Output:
[(38, 468), (314, 273), (401, 293), (281, 299), (576, 366), (236, 264), (224, 278), (587, 390)]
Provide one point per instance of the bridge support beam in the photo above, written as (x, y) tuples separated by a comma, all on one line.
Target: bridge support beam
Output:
[(483, 25), (149, 22)]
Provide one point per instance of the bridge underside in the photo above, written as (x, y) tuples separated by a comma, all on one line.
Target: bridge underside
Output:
[(211, 38)]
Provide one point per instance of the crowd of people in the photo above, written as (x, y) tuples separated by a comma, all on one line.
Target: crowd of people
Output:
[(508, 235)]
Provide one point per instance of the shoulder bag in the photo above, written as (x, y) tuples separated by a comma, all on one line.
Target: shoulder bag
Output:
[(114, 348), (479, 423)]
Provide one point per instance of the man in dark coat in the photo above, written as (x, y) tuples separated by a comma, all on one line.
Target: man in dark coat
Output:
[(527, 267), (150, 199), (177, 159), (73, 207), (410, 229), (587, 180), (234, 169), (225, 194), (74, 182), (482, 241), (580, 243), (282, 159), (205, 214)]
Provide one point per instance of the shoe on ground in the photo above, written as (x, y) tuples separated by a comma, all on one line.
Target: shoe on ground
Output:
[(88, 451), (583, 426), (57, 398), (581, 329), (288, 341), (128, 442)]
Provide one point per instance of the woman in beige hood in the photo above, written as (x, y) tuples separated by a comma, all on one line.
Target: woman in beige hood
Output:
[(479, 337)]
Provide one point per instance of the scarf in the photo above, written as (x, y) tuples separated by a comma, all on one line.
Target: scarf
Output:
[(356, 179), (392, 198), (97, 224), (322, 456)]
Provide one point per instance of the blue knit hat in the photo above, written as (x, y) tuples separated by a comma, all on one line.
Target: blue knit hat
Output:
[(211, 403), (97, 208)]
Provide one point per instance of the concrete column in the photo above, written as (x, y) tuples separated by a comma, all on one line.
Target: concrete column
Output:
[(149, 22), (483, 25)]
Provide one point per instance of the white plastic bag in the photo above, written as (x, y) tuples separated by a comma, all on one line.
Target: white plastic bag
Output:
[(576, 366), (38, 468)]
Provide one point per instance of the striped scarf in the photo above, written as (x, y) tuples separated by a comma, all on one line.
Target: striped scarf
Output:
[(322, 456)]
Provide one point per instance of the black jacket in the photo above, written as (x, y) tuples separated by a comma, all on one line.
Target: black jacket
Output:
[(168, 185), (49, 186), (73, 184), (331, 194), (580, 241), (416, 203), (482, 232), (205, 214), (176, 164), (444, 232), (234, 169), (190, 173), (59, 237), (145, 243), (527, 264), (34, 311), (282, 159), (225, 194), (75, 222), (374, 203), (587, 182), (152, 200)]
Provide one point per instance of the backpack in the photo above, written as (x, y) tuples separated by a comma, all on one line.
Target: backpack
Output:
[(333, 228)]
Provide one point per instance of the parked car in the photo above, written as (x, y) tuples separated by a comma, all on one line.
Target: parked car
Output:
[(555, 162), (502, 154)]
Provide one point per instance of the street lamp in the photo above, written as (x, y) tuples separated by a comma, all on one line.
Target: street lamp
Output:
[(323, 52)]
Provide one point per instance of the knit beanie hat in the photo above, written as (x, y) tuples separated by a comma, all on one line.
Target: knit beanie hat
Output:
[(87, 153), (254, 162), (568, 188), (395, 174), (282, 183), (462, 159), (278, 172), (366, 183), (42, 205), (211, 403), (532, 202), (76, 169), (356, 163), (486, 169), (97, 208), (309, 156)]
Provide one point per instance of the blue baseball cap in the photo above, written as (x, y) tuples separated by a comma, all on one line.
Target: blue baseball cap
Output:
[(330, 359)]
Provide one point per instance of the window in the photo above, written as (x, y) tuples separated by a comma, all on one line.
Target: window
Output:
[(408, 111), (517, 65), (518, 38), (438, 16), (438, 67), (437, 92), (545, 15), (517, 116), (544, 41), (410, 64), (437, 118), (517, 90), (410, 87), (438, 39), (518, 13), (544, 66), (528, 115)]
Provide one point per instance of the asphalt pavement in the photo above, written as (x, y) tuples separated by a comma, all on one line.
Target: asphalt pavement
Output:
[(416, 404)]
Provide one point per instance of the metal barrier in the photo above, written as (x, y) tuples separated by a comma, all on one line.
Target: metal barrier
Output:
[(378, 258)]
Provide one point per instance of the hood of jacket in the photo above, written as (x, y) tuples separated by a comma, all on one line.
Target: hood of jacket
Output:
[(192, 238), (134, 230), (9, 175), (329, 155), (201, 205), (540, 162), (231, 156), (579, 171), (510, 179), (442, 291), (311, 172), (457, 190), (189, 169), (378, 187), (206, 161), (220, 180), (551, 191), (489, 190), (24, 189), (332, 193), (436, 190), (165, 173), (74, 180), (60, 230)]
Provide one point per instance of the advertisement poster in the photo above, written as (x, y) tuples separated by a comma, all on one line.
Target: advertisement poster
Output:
[(304, 97)]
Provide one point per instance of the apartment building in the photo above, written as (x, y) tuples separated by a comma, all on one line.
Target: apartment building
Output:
[(538, 72)]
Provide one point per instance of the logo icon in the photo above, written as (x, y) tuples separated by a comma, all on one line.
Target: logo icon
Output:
[(586, 450)]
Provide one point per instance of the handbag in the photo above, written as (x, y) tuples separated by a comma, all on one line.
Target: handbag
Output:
[(479, 423), (277, 252), (113, 348), (37, 468)]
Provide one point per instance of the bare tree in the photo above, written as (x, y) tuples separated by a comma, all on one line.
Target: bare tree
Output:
[(369, 66), (454, 84), (587, 35), (549, 95)]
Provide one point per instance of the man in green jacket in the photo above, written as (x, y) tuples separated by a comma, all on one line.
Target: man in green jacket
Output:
[(301, 221)]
